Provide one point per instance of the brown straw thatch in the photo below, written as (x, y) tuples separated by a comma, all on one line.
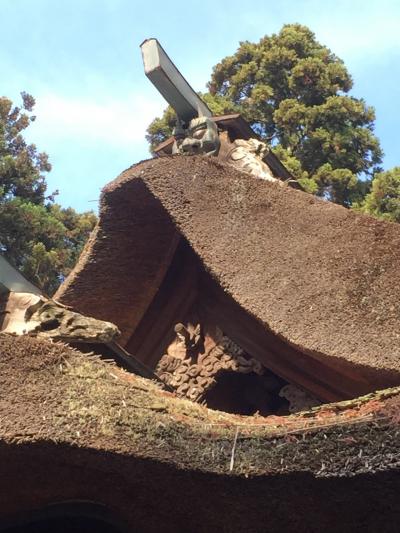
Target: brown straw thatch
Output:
[(77, 429), (320, 282)]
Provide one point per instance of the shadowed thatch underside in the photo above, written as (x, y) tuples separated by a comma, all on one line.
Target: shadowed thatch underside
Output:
[(74, 428)]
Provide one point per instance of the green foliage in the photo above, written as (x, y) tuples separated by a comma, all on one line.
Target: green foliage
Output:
[(384, 199), (21, 166), (38, 236), (292, 90), (161, 128)]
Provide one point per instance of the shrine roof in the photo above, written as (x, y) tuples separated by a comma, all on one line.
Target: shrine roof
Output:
[(323, 278)]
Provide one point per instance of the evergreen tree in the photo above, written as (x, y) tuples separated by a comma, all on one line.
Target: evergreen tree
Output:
[(384, 199), (37, 236)]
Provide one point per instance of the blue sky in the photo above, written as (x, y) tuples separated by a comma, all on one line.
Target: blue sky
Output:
[(81, 60)]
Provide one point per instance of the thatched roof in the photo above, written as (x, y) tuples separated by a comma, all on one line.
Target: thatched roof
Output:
[(323, 279), (75, 428)]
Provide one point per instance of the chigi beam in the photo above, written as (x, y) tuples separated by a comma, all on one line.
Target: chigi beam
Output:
[(164, 75)]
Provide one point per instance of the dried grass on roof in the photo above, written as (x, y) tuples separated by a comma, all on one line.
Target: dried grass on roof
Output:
[(54, 393)]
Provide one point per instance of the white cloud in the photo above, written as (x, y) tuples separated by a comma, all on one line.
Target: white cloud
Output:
[(111, 121)]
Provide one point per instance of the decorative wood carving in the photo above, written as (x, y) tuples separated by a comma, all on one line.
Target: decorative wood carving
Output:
[(195, 359)]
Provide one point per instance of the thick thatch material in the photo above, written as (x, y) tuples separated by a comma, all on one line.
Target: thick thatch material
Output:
[(325, 281), (77, 429)]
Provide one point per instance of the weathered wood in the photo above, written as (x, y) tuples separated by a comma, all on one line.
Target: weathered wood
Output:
[(171, 304), (12, 280), (170, 83)]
